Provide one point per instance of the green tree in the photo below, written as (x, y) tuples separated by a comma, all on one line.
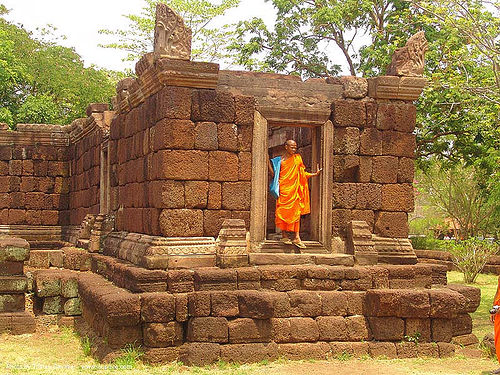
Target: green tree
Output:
[(41, 81), (464, 194), (209, 41), (458, 117)]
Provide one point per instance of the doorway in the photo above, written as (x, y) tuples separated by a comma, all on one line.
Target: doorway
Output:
[(277, 136), (320, 226)]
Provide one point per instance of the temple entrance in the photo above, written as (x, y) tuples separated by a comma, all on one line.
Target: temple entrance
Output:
[(277, 135), (315, 141)]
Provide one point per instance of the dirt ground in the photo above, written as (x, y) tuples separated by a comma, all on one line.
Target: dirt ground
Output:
[(60, 351)]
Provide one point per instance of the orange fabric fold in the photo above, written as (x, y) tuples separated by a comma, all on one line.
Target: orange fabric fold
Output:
[(294, 194)]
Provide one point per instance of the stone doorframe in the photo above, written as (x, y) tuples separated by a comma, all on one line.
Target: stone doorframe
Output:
[(322, 150)]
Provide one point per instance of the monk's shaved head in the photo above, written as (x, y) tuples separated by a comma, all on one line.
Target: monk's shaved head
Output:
[(290, 142)]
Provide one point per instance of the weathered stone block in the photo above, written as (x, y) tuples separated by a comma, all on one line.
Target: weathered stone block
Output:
[(346, 141), (11, 302), (387, 328), (245, 166), (344, 195), (472, 296), (199, 304), (157, 307), (445, 303), (206, 136), (196, 194), (422, 327), (462, 324), (385, 169), (236, 195), (398, 144), (332, 328), (254, 304), (243, 330), (442, 330), (199, 354), (249, 353), (348, 113), (214, 196), (14, 249), (173, 102), (172, 134), (181, 223), (208, 329), (397, 116), (391, 224), (212, 221), (358, 328), (406, 170), (223, 166), (398, 197), (72, 307), (304, 303), (53, 305), (166, 194), (224, 304), (13, 284), (181, 165), (213, 105), (244, 109), (162, 334), (368, 196), (227, 136)]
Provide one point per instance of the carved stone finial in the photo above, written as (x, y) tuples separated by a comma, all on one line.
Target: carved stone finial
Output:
[(409, 60), (172, 37)]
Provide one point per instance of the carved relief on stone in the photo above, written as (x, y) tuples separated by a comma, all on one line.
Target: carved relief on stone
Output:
[(172, 37), (409, 60)]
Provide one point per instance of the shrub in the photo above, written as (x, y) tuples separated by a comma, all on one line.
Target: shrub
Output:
[(426, 243), (471, 255)]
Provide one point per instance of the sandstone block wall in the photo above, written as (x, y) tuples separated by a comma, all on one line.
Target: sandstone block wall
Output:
[(374, 150), (181, 162), (203, 316), (85, 154), (34, 176)]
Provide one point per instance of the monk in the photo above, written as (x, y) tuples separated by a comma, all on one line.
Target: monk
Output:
[(293, 200), (495, 319)]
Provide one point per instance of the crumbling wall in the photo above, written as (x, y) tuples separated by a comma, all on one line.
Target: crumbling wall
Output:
[(34, 175), (85, 151)]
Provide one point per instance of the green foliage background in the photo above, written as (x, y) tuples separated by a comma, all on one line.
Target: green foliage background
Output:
[(43, 82)]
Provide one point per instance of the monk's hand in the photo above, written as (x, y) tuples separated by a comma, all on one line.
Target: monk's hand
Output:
[(318, 170)]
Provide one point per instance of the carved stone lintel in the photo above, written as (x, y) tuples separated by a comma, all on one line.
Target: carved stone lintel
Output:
[(399, 88), (172, 37), (409, 60)]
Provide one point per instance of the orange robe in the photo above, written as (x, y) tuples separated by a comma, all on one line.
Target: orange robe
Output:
[(294, 194), (497, 322)]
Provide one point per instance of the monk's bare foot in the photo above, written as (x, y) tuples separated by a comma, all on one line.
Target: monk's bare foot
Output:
[(286, 240)]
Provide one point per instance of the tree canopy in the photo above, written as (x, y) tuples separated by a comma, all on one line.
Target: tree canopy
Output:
[(43, 82), (209, 40)]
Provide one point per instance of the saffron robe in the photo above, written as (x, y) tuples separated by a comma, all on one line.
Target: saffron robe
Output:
[(497, 322), (293, 200)]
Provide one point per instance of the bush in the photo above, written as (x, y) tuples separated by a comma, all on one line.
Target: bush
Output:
[(471, 255), (426, 243)]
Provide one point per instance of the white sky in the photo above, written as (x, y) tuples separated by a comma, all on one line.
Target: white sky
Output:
[(80, 22)]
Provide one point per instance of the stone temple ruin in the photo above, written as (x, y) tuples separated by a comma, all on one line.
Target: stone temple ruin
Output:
[(151, 223)]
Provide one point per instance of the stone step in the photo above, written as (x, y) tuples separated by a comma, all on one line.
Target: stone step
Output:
[(276, 246), (260, 259)]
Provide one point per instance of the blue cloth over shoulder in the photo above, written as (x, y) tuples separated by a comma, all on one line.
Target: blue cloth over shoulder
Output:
[(274, 186)]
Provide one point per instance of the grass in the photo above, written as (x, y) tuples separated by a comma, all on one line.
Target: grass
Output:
[(481, 318)]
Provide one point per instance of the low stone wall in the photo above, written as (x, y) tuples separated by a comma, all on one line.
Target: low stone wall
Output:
[(250, 325), (56, 292), (13, 286), (444, 258)]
